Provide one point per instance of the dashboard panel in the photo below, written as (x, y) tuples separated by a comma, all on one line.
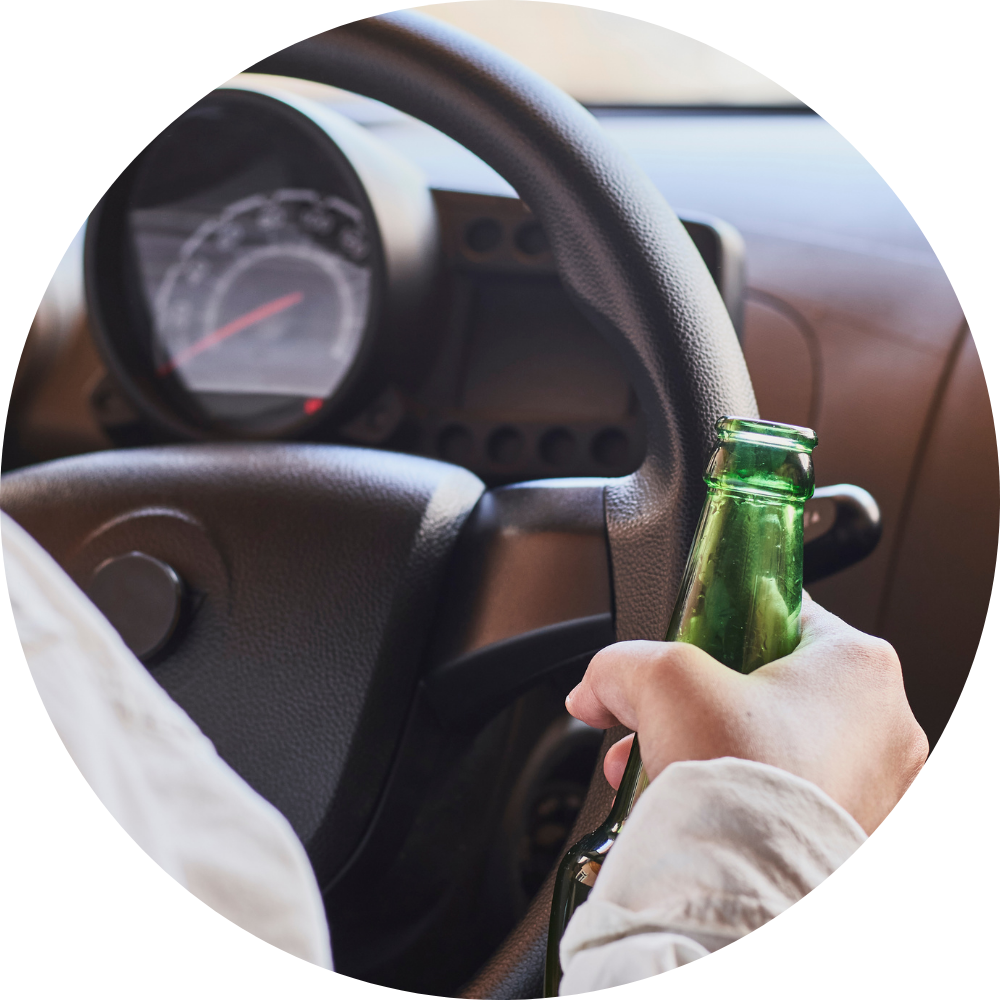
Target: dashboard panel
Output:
[(477, 355), (240, 280)]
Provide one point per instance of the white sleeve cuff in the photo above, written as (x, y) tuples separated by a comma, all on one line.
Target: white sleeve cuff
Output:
[(713, 850)]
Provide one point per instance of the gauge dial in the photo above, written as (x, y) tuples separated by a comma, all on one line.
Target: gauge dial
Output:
[(259, 267), (268, 299)]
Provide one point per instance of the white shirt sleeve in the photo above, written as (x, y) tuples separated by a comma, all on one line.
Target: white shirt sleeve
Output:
[(151, 766), (712, 850)]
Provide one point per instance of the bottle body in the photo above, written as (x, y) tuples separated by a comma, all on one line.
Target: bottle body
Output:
[(740, 600)]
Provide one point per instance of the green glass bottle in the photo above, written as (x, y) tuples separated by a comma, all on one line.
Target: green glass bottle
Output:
[(740, 600)]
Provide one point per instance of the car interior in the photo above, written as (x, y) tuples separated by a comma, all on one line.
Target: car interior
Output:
[(375, 396)]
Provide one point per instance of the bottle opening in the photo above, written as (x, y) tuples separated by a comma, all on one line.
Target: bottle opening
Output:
[(763, 458), (789, 437)]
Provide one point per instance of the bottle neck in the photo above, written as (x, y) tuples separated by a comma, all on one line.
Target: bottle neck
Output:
[(741, 593), (633, 784), (762, 458)]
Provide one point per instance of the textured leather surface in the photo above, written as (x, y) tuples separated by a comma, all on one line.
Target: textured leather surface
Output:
[(619, 249), (624, 258), (316, 571)]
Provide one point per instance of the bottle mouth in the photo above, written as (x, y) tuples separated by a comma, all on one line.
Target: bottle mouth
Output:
[(788, 437), (763, 458)]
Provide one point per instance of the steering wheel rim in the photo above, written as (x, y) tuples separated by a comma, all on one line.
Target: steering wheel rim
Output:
[(620, 251), (626, 261), (629, 266)]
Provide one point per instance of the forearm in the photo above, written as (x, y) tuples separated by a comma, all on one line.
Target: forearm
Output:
[(713, 850)]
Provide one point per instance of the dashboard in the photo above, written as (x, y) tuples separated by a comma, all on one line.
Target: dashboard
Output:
[(267, 268), (288, 261)]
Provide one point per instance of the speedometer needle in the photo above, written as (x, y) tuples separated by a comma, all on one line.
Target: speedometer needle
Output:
[(258, 315)]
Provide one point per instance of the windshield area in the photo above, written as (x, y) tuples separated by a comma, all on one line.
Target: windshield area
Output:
[(601, 58)]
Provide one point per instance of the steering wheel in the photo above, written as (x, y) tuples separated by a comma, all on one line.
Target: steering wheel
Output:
[(317, 574)]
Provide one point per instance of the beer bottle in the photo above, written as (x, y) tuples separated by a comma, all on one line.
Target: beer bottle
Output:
[(740, 600)]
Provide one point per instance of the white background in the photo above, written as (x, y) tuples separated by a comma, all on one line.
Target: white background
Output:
[(87, 85)]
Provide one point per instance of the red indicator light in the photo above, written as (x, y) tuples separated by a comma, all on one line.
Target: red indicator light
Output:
[(310, 406)]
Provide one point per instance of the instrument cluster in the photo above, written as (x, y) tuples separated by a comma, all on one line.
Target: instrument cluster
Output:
[(267, 268)]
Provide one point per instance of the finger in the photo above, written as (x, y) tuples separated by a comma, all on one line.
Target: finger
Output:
[(833, 659), (616, 759), (606, 696), (583, 705), (587, 700), (820, 629)]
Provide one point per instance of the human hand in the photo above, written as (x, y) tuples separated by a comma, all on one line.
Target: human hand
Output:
[(834, 712)]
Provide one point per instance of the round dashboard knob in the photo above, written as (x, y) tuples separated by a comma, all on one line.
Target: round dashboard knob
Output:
[(141, 597)]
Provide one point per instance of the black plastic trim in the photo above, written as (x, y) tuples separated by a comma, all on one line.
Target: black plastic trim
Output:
[(856, 530), (467, 691)]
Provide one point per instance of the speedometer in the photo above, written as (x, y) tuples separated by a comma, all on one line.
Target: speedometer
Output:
[(266, 305), (268, 247)]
